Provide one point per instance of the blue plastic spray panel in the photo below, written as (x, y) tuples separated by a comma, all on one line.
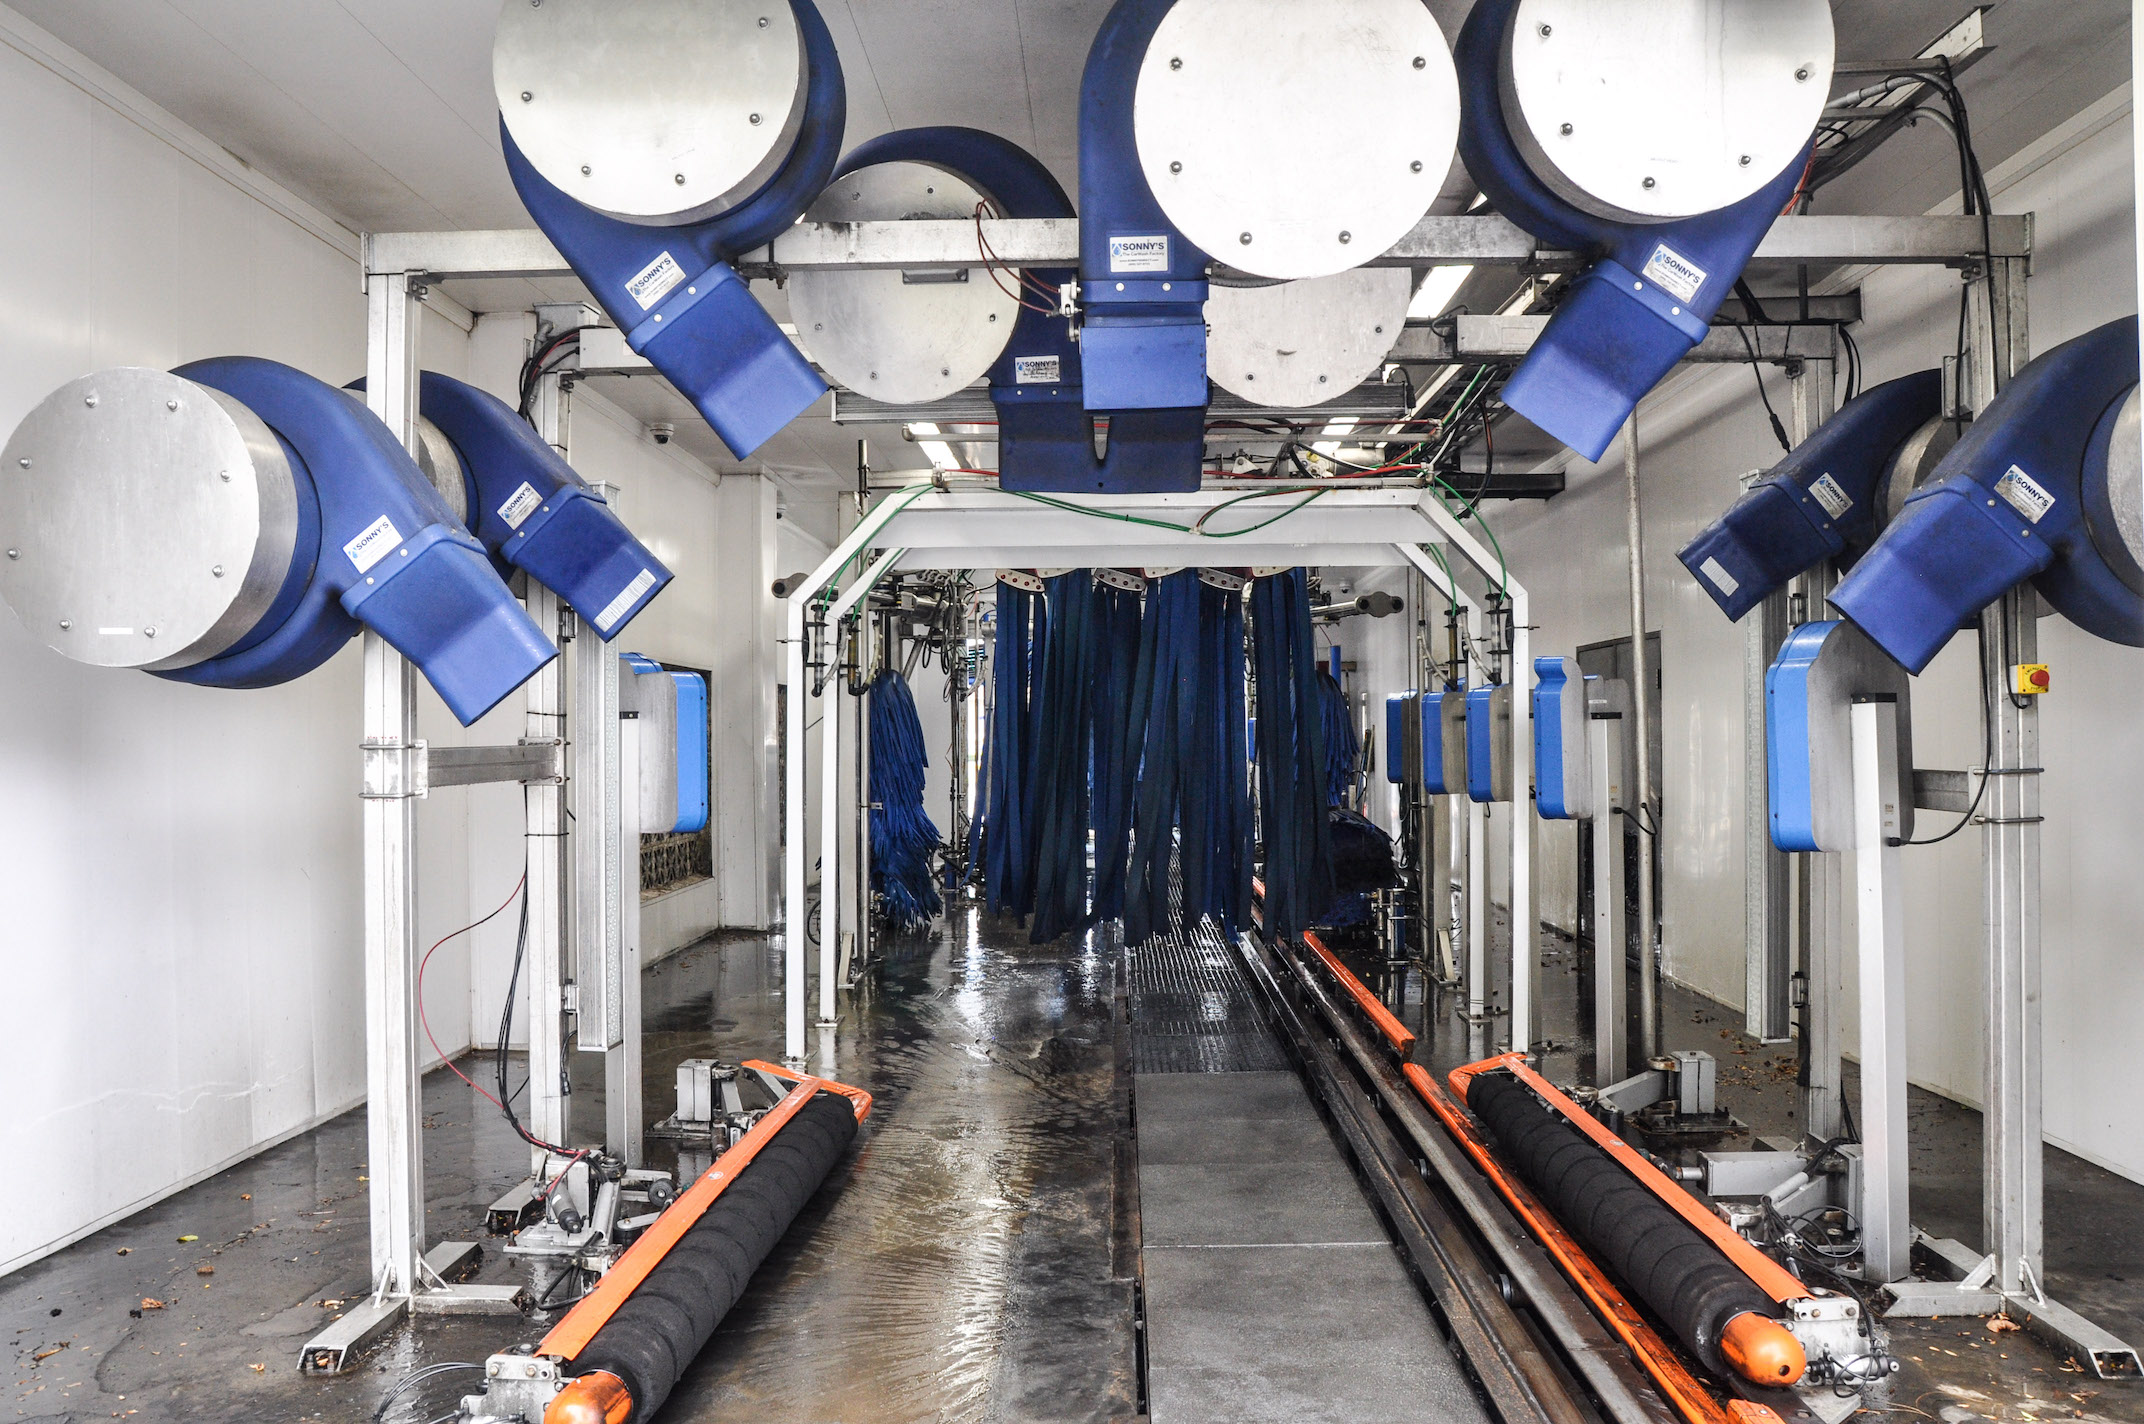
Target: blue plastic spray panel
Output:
[(1444, 741), (672, 709), (1489, 743), (1563, 752), (1809, 693)]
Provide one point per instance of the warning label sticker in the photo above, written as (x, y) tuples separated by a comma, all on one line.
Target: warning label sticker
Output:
[(376, 543), (627, 597), (1669, 269), (520, 505), (1037, 370), (1139, 254), (2025, 494), (656, 281), (1834, 499), (1722, 580)]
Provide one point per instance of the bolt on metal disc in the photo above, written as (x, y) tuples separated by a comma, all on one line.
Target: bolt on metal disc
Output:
[(654, 111), (1299, 140), (151, 520), (906, 337), (1650, 110), (1298, 345)]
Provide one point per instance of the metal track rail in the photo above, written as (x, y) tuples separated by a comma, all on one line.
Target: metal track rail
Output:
[(1541, 1355)]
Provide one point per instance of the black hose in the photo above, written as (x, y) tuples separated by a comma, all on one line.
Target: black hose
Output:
[(652, 1339), (1663, 1260)]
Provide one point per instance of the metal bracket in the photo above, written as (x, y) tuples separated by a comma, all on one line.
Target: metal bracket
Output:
[(394, 771)]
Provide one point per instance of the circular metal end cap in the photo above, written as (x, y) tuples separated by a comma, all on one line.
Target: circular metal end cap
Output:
[(1293, 166), (654, 111), (905, 337), (127, 505), (1297, 345), (1650, 110)]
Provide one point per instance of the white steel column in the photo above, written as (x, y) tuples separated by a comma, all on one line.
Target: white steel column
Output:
[(392, 1078), (1611, 975), (546, 829), (1886, 1233), (1641, 693), (597, 960), (622, 1087), (1525, 923), (830, 794)]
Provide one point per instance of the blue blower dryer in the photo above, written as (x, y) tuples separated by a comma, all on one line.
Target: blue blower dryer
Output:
[(653, 155), (234, 524), (1576, 126), (1828, 498), (2033, 491), (531, 511)]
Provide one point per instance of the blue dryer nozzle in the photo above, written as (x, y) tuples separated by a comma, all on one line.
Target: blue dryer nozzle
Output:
[(1815, 504), (439, 603)]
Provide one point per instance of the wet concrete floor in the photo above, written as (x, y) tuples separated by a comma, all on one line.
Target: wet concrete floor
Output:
[(957, 1268)]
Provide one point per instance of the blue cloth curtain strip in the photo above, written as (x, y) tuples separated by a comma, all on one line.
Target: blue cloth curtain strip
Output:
[(903, 839), (1064, 757), (1293, 796), (1117, 744), (1343, 748), (1008, 845)]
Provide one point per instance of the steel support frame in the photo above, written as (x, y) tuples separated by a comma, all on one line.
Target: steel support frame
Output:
[(1525, 922), (1611, 971), (1467, 825), (832, 729), (405, 1277)]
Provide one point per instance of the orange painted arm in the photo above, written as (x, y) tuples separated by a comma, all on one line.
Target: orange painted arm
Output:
[(1767, 1274), (856, 1096), (1682, 1389), (1396, 1033)]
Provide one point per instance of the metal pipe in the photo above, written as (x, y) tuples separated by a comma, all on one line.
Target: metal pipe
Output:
[(1642, 703)]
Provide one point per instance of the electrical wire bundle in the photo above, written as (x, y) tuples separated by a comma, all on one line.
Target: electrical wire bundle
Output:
[(1007, 832), (903, 839), (1293, 797)]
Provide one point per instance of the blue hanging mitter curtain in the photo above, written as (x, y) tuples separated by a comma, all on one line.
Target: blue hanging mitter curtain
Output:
[(903, 839), (1007, 833), (1293, 796), (1063, 757), (1343, 748), (1118, 734)]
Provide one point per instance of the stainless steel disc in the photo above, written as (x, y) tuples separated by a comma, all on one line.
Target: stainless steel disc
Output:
[(1300, 344), (1913, 465), (442, 466), (1650, 110), (655, 111), (2122, 546), (147, 521), (1297, 140), (906, 337)]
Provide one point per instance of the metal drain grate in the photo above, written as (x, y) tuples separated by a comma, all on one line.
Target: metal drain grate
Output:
[(1193, 1011)]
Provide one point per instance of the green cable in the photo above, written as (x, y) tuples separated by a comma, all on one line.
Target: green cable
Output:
[(1473, 512), (884, 515)]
